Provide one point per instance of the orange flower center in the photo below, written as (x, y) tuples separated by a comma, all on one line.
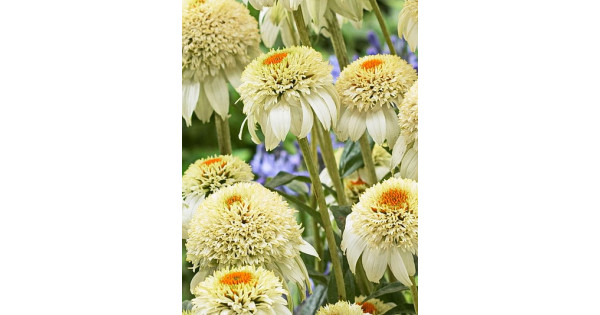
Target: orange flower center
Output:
[(357, 182), (394, 198), (236, 277), (369, 64), (368, 308), (233, 199), (211, 161), (275, 59)]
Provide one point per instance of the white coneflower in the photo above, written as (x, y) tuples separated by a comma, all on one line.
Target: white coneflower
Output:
[(408, 120), (369, 89), (373, 306), (241, 290), (283, 89), (408, 23), (288, 4), (350, 9), (219, 38), (340, 308), (206, 176), (383, 229), (247, 224)]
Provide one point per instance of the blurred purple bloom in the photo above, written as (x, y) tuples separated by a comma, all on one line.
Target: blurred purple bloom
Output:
[(335, 72), (399, 44), (268, 164)]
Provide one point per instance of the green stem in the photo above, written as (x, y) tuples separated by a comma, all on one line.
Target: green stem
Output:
[(301, 26), (367, 155), (331, 164), (319, 193), (337, 39), (317, 238), (223, 136), (384, 29), (415, 294)]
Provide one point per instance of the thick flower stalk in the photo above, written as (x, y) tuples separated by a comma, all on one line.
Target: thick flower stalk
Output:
[(373, 306), (382, 229), (408, 23), (339, 308), (241, 290), (219, 38), (370, 88), (408, 120), (284, 89), (206, 176), (247, 224)]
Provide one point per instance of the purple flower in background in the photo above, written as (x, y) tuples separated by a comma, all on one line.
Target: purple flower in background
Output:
[(335, 72), (268, 164)]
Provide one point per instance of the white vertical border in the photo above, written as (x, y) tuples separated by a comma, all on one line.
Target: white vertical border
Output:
[(90, 119), (509, 157)]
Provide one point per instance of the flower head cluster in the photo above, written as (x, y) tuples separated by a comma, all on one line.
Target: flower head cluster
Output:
[(249, 225), (383, 229), (242, 290), (373, 306), (369, 88), (206, 176), (339, 308), (283, 89), (408, 23), (219, 38)]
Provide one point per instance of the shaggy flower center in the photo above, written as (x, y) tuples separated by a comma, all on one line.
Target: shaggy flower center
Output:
[(275, 59), (370, 64), (368, 307), (394, 198), (236, 277)]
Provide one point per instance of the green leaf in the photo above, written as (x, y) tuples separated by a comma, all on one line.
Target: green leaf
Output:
[(351, 159), (318, 277), (283, 178), (387, 289), (314, 302), (340, 213), (301, 206)]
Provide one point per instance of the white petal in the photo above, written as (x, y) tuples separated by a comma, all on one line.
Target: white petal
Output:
[(271, 140), (287, 34), (398, 152), (307, 119), (412, 34), (234, 74), (252, 129), (190, 92), (296, 126), (409, 263), (391, 126), (203, 109), (218, 94), (331, 106), (306, 248), (199, 277), (376, 125), (320, 109), (409, 166), (353, 245), (356, 125), (268, 30), (279, 119), (281, 309), (343, 126), (375, 261), (398, 268)]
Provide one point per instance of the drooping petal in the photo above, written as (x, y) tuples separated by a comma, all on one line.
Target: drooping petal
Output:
[(268, 30), (376, 125), (234, 74), (398, 268), (409, 262), (306, 248), (409, 166), (203, 109), (391, 126), (280, 120), (271, 141), (375, 261), (217, 94), (331, 106), (352, 244), (320, 109), (398, 152), (356, 125), (342, 129), (307, 118), (189, 93)]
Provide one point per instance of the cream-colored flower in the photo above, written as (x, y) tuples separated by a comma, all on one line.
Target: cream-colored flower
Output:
[(288, 4), (186, 312), (219, 38), (408, 23), (409, 167), (275, 20), (350, 9), (369, 89), (383, 229), (283, 89), (205, 176), (340, 308), (408, 120), (373, 306), (247, 224), (241, 290)]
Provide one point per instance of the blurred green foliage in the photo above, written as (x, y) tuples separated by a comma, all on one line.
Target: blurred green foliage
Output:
[(200, 140)]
